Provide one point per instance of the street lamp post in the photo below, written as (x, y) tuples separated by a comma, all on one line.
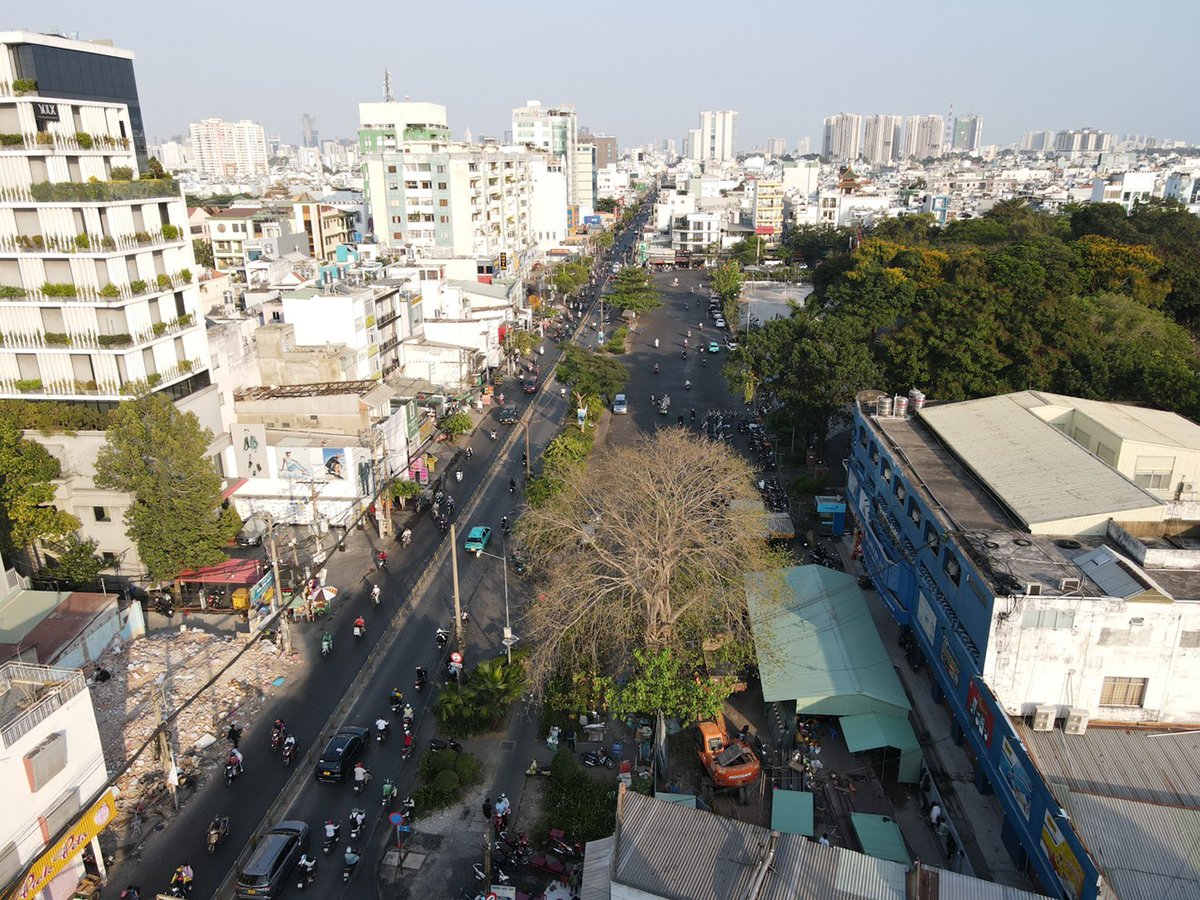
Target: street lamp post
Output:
[(509, 640)]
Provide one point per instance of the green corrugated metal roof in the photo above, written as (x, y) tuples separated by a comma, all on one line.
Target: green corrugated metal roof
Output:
[(792, 812), (817, 645), (871, 730), (880, 837)]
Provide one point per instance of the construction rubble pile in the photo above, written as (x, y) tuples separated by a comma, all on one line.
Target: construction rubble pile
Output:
[(128, 709)]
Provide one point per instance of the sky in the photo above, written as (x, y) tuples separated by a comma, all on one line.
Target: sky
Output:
[(642, 71)]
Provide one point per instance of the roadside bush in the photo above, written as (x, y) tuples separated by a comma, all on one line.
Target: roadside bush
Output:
[(444, 778), (616, 343), (459, 423), (580, 806)]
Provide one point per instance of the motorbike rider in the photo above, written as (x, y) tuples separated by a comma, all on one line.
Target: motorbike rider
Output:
[(406, 537), (512, 485), (383, 726), (422, 675), (236, 760), (352, 857), (381, 559), (442, 637), (357, 817), (307, 866), (407, 715), (656, 368), (504, 524), (408, 740), (332, 830), (326, 642), (289, 745), (396, 697), (687, 385), (278, 730), (360, 626), (375, 593), (361, 775), (183, 878), (656, 343), (131, 892), (492, 434)]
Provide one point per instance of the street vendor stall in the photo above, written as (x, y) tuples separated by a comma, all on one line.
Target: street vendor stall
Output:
[(224, 587)]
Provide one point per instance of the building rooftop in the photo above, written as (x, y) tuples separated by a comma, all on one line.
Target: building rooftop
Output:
[(60, 628), (321, 389), (1131, 423), (30, 693), (1038, 473)]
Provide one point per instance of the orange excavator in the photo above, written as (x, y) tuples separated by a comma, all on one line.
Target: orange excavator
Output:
[(730, 763)]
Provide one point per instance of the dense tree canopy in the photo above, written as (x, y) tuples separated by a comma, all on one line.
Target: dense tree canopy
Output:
[(159, 455), (634, 289), (27, 512), (1095, 303)]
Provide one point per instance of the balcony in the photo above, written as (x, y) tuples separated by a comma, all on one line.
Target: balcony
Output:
[(107, 388), (59, 293), (88, 243), (30, 694), (93, 191), (79, 142)]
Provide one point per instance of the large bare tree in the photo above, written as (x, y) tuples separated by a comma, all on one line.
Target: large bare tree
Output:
[(645, 547)]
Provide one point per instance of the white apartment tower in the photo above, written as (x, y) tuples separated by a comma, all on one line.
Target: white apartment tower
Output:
[(842, 137), (881, 139), (229, 151), (968, 133), (97, 283), (718, 136), (551, 128), (439, 198), (923, 137)]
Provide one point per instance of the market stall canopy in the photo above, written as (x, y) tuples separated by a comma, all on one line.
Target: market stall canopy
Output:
[(817, 644), (232, 571), (871, 730), (880, 837), (792, 812)]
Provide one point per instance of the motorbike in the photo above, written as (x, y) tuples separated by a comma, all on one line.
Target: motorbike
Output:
[(389, 793), (326, 644), (375, 596), (276, 739), (230, 773), (395, 703), (360, 784), (442, 637), (595, 758), (358, 818), (381, 734), (535, 768), (407, 719), (436, 744), (348, 868), (548, 864), (359, 631), (562, 846), (218, 830), (514, 843), (164, 606), (422, 679), (307, 873), (289, 750), (330, 842), (498, 874)]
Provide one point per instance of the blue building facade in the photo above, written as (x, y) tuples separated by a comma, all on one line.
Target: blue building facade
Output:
[(932, 585)]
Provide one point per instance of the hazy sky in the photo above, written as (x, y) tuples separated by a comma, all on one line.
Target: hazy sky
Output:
[(643, 70)]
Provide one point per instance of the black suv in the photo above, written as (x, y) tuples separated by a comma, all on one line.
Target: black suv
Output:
[(264, 873), (342, 751), (508, 415)]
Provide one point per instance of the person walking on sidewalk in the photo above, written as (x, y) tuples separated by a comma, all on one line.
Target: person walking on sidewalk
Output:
[(234, 734), (487, 809)]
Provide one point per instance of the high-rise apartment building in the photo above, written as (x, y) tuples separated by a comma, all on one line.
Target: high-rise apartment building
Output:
[(1037, 140), (1082, 140), (776, 146), (692, 145), (309, 136), (77, 70), (718, 135), (97, 285), (842, 137), (585, 178), (440, 198), (881, 139), (923, 136), (606, 148), (804, 146), (551, 128), (968, 133), (768, 211), (229, 151)]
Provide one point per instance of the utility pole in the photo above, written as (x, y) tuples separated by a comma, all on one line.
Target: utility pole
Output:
[(277, 592), (458, 622), (528, 461), (382, 503), (164, 740)]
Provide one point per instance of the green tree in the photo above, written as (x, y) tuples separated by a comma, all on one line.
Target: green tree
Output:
[(75, 561), (603, 240), (405, 489), (668, 683), (159, 456), (634, 290), (203, 251), (154, 169), (606, 205), (591, 374), (27, 513), (456, 424), (727, 281), (751, 251)]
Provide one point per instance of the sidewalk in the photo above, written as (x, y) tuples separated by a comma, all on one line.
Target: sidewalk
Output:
[(977, 817)]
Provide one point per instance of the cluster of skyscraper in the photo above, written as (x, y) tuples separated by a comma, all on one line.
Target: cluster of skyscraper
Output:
[(882, 139), (715, 139)]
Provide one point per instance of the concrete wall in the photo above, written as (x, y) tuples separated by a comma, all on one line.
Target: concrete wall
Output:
[(1060, 650)]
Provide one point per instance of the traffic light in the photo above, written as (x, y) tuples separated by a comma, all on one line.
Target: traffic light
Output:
[(504, 260)]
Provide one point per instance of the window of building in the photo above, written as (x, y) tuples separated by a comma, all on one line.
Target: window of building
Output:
[(887, 475), (900, 491), (391, 170), (952, 567), (410, 185), (397, 235), (426, 185), (441, 171), (914, 511), (1189, 640), (1048, 618), (101, 514), (1153, 472), (933, 539), (1118, 691), (441, 185), (874, 454), (862, 438), (444, 220), (443, 203)]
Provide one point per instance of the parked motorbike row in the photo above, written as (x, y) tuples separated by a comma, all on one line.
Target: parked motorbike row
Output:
[(774, 494)]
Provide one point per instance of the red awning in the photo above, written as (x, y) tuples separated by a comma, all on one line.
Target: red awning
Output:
[(232, 487), (232, 571)]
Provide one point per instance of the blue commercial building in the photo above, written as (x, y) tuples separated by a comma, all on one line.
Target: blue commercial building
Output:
[(987, 522)]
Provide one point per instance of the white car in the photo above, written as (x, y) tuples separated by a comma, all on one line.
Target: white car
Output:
[(730, 343), (620, 406)]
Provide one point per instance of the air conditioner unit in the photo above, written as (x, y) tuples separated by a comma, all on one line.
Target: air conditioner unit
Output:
[(1044, 715), (1069, 584), (1033, 590), (1077, 721)]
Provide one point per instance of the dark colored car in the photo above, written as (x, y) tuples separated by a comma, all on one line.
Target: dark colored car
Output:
[(342, 752), (530, 385), (267, 870), (508, 415)]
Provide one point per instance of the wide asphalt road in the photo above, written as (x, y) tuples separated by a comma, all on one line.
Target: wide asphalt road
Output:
[(406, 624)]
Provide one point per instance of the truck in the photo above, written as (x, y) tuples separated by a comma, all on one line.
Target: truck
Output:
[(730, 763)]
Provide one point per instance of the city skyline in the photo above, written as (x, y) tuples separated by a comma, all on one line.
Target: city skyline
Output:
[(614, 93)]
